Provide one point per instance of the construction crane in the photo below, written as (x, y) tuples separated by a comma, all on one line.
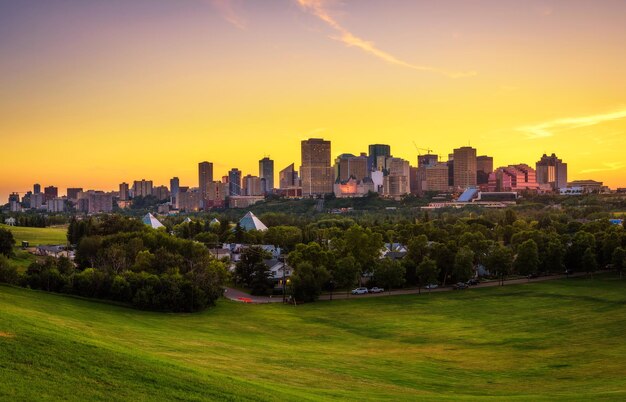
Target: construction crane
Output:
[(418, 149)]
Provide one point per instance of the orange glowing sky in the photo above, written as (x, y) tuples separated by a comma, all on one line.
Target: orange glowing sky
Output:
[(94, 93)]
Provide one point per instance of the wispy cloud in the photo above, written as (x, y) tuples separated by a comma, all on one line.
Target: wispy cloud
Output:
[(229, 10), (548, 128), (319, 8), (609, 166)]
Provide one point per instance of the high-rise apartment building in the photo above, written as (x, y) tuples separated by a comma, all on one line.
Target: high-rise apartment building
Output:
[(266, 172), (376, 150), (288, 177), (174, 188), (56, 204), (142, 188), (513, 178), (37, 200), (234, 181), (94, 202), (552, 172), (205, 176), (37, 188), (124, 193), (316, 174), (50, 192), (464, 169), (348, 165), (484, 166), (72, 193), (161, 193), (252, 185)]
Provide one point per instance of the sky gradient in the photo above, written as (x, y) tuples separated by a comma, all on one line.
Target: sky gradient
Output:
[(94, 93)]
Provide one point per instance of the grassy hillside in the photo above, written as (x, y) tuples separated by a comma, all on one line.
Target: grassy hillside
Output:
[(38, 236), (551, 340)]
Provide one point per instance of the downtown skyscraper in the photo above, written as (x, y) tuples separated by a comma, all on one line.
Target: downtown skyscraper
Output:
[(316, 172)]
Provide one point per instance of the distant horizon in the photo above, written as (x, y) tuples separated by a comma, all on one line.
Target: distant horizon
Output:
[(96, 93), (218, 174)]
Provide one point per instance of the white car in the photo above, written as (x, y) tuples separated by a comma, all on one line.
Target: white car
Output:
[(376, 290), (359, 291), (431, 286)]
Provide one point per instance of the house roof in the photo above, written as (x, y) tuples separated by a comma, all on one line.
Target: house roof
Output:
[(251, 222), (151, 221)]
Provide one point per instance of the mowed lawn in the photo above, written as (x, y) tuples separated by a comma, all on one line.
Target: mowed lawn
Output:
[(38, 236), (35, 237), (562, 339)]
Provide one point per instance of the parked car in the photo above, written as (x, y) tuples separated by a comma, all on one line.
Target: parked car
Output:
[(431, 286), (473, 282), (531, 276), (376, 290), (459, 286), (359, 291)]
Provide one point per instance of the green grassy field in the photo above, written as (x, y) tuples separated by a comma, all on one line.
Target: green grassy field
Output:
[(562, 339), (35, 236), (38, 236)]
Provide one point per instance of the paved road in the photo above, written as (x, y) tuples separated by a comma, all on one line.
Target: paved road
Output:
[(235, 294), (343, 295)]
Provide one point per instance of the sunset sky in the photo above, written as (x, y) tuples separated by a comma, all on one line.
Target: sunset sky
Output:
[(96, 92)]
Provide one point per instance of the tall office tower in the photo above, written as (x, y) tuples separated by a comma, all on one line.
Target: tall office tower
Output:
[(50, 192), (266, 172), (234, 182), (288, 177), (124, 196), (437, 177), (464, 167), (348, 165), (72, 193), (376, 150), (37, 188), (205, 176), (315, 171), (142, 188), (551, 171), (174, 188), (484, 166), (418, 182)]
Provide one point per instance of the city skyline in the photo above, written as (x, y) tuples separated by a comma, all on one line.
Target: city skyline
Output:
[(96, 93)]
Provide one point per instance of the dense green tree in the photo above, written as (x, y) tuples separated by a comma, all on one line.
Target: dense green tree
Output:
[(527, 258), (252, 272), (286, 237), (579, 244), (307, 281), (6, 242), (389, 274), (427, 272), (589, 261), (8, 272), (552, 258), (618, 259), (500, 261), (346, 273), (463, 264)]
